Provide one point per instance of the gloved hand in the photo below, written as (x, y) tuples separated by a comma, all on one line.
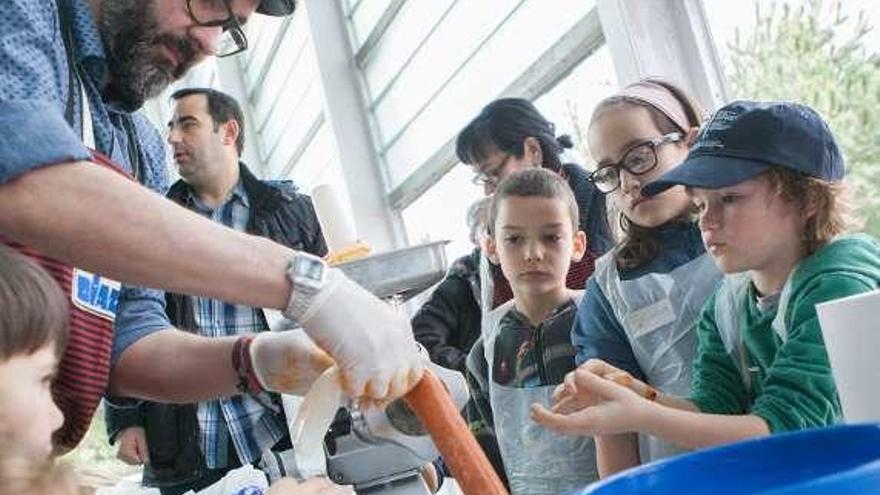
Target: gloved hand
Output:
[(287, 361), (371, 342)]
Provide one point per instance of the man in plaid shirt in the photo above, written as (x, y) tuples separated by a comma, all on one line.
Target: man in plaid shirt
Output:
[(189, 447)]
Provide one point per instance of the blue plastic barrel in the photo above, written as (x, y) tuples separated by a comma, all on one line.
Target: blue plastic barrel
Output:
[(840, 460)]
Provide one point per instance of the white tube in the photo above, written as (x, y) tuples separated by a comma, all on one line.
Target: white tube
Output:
[(313, 419), (335, 217)]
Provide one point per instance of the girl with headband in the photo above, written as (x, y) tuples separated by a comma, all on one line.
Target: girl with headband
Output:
[(644, 299)]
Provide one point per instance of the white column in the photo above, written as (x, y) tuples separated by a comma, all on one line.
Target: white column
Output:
[(665, 38), (346, 113)]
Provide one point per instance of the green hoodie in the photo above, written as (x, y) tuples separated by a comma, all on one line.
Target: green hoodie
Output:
[(791, 383)]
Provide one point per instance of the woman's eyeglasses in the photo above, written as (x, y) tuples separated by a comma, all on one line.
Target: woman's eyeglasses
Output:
[(639, 159)]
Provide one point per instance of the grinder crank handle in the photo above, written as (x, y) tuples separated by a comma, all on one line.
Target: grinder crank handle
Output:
[(470, 467)]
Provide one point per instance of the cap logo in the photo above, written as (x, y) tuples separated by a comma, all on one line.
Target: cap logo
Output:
[(720, 122)]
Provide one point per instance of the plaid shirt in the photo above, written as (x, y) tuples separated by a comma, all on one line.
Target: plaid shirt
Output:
[(251, 427)]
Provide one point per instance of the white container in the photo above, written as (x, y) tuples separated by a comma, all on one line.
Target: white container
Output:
[(851, 329), (337, 222)]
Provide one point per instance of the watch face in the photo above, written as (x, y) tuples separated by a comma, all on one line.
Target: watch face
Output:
[(308, 268)]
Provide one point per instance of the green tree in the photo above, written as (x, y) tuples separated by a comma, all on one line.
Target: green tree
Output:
[(816, 54)]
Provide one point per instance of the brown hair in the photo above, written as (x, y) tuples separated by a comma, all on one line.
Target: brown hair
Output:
[(639, 246), (834, 212), (22, 474), (221, 107), (532, 183), (33, 310)]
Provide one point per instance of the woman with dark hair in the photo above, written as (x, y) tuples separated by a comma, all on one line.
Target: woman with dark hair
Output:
[(510, 134)]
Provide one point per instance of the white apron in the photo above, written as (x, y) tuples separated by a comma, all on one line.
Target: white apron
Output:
[(659, 313), (537, 460)]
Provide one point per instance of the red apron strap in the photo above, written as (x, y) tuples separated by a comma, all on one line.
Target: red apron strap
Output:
[(84, 370)]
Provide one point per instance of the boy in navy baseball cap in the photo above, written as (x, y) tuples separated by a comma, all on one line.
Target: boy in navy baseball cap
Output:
[(746, 138), (766, 178)]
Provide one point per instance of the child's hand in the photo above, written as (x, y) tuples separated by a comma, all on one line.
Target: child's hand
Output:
[(610, 408), (641, 388), (567, 398), (314, 486)]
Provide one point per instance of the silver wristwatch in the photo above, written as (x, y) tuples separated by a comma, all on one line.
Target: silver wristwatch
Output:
[(308, 274)]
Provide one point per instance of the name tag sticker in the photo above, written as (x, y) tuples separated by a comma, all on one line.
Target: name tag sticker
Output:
[(95, 294), (651, 317)]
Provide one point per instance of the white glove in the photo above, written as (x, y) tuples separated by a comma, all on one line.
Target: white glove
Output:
[(371, 342), (287, 361)]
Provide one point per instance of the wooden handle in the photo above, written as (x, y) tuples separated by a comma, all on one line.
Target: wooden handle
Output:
[(470, 467)]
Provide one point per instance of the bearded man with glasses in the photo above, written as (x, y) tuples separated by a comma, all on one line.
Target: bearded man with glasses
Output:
[(72, 75), (149, 44)]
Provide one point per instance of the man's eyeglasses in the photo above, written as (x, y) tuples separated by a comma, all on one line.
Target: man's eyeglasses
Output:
[(492, 176), (213, 13), (639, 159)]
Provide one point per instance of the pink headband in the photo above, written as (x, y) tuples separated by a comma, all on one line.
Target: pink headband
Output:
[(659, 97)]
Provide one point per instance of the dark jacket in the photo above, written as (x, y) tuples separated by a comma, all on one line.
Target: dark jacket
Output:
[(448, 323), (277, 212)]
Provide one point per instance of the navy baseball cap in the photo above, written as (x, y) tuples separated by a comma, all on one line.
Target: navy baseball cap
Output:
[(277, 8), (746, 138)]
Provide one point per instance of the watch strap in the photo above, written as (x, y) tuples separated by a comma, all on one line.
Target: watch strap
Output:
[(244, 369), (305, 292)]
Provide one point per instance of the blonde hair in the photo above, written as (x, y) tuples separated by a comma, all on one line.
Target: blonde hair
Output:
[(832, 201), (22, 474)]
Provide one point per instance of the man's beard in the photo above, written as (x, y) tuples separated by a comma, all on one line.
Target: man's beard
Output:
[(138, 68)]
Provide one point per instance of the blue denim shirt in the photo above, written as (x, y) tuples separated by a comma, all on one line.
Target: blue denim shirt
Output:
[(34, 80)]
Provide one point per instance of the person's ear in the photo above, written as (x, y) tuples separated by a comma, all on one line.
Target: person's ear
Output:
[(231, 130), (579, 246), (809, 206), (690, 137), (492, 250), (532, 151)]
